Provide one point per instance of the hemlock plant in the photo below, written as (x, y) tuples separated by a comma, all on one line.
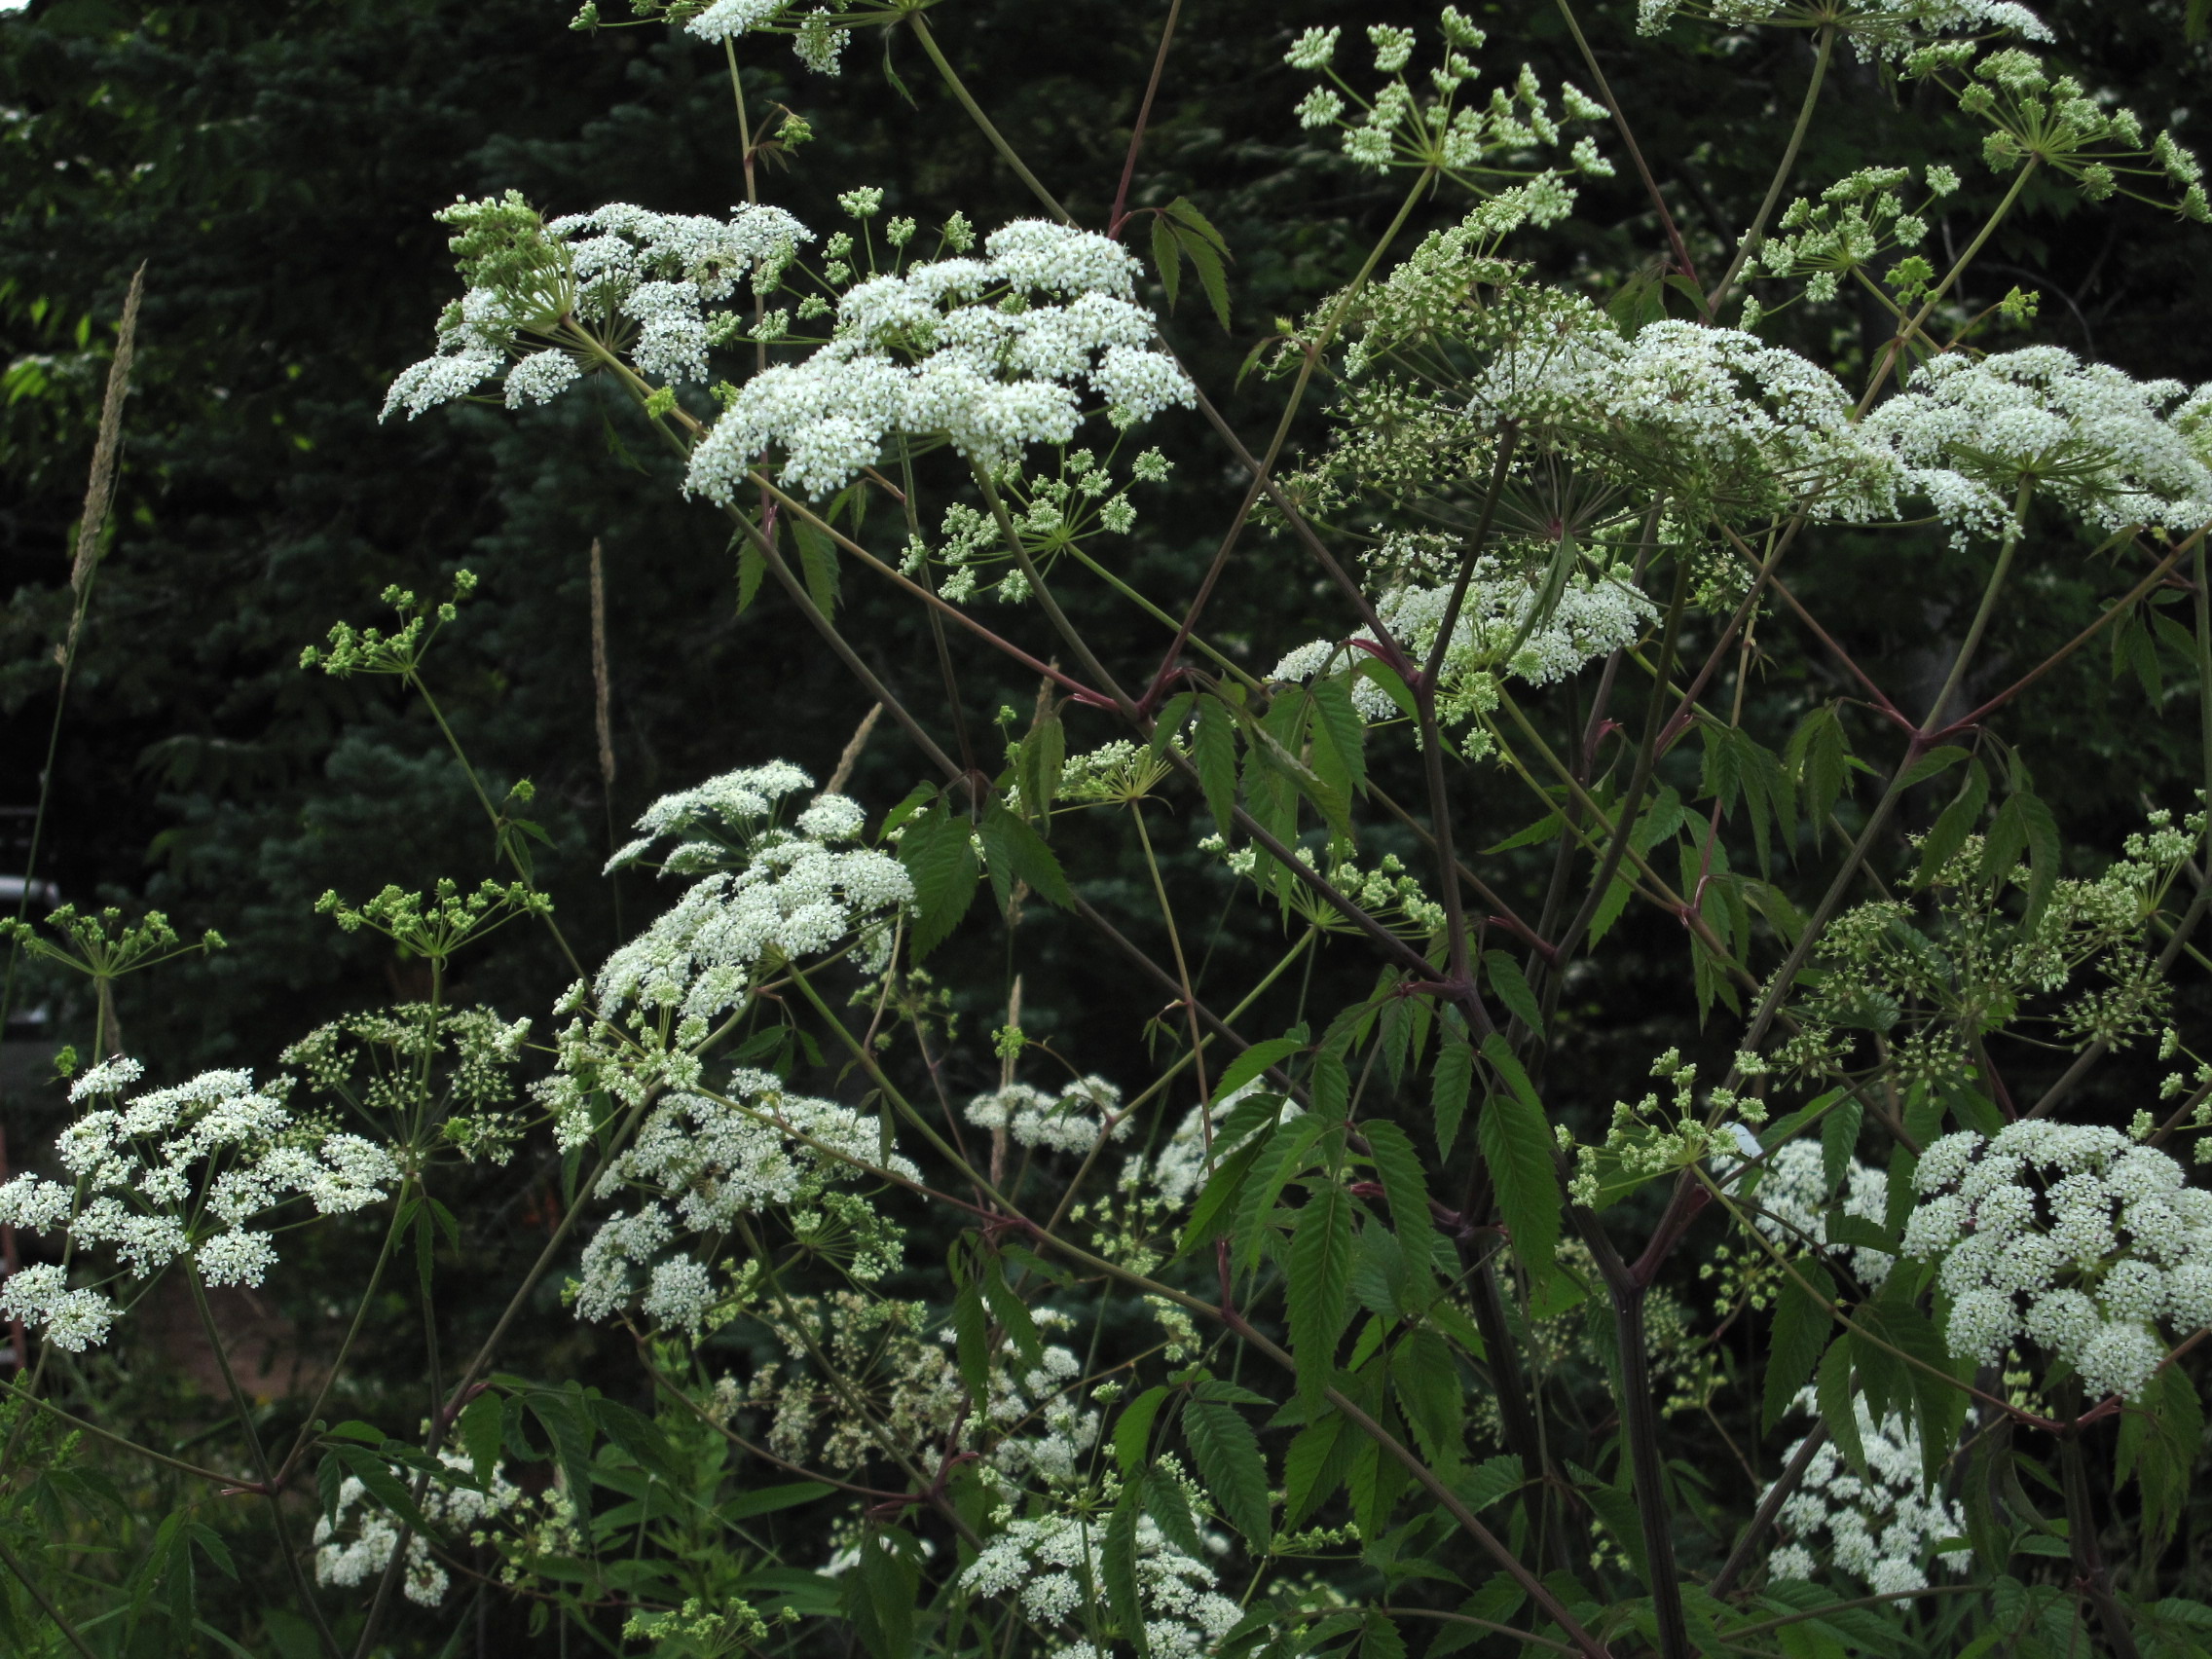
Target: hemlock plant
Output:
[(1258, 1335)]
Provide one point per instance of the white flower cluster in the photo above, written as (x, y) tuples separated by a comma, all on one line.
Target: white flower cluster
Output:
[(2096, 441), (1884, 28), (795, 895), (1051, 1566), (621, 267), (2070, 1236), (702, 1163), (1076, 1120), (1179, 1169), (175, 1172), (1713, 413), (1397, 127), (1041, 1397), (1793, 1198), (1881, 1527), (354, 1544), (988, 352), (817, 39), (1497, 632)]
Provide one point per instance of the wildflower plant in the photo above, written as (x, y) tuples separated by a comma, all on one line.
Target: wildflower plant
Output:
[(1334, 1303)]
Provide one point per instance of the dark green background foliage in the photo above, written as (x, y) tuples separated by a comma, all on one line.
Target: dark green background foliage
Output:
[(276, 162)]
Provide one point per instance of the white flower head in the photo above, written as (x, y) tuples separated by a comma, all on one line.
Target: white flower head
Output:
[(2067, 1237)]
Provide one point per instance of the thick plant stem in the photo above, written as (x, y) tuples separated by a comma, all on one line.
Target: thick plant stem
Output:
[(2092, 1576), (1749, 246), (1785, 1483), (1433, 736), (959, 90), (1119, 216), (1639, 1424), (18, 1391)]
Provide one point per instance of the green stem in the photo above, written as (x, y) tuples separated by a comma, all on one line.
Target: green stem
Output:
[(1387, 1443), (976, 114), (45, 1606), (17, 1391), (1182, 970), (1751, 242), (1958, 268), (1221, 660), (1786, 977), (305, 1435), (1066, 629), (300, 1585), (484, 799)]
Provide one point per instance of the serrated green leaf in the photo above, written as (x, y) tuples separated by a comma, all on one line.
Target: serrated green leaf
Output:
[(972, 1340), (1820, 759), (1167, 258), (751, 567), (1211, 277), (1183, 212), (1015, 851), (938, 856), (1230, 1464), (1132, 1430), (1512, 988), (480, 1434), (1218, 1201), (1954, 826), (1213, 752), (1839, 1138), (818, 564), (1489, 1481), (1339, 736), (1010, 1314), (1536, 834), (559, 1414), (1404, 1184), (1174, 715), (1312, 1467), (1517, 1145), (374, 1473), (1800, 1331), (1121, 1565), (1289, 1151), (1321, 1284), (1450, 1085), (1044, 756), (1939, 759), (1252, 1063)]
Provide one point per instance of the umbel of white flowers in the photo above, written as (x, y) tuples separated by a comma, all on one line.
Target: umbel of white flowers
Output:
[(988, 352), (2106, 446), (2067, 1237), (773, 894), (1878, 28), (175, 1173), (1881, 1527), (1051, 1566), (618, 267)]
